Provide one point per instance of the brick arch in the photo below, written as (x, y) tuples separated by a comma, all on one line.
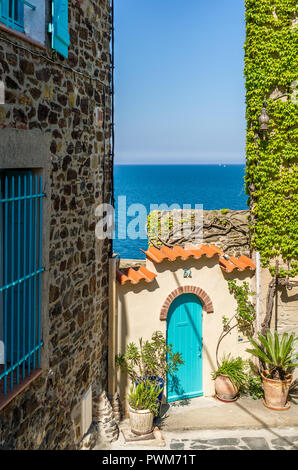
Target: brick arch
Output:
[(200, 293)]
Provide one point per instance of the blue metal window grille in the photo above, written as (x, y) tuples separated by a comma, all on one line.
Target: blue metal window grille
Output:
[(21, 270), (12, 13)]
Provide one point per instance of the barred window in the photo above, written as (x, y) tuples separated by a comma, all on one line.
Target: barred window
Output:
[(21, 269)]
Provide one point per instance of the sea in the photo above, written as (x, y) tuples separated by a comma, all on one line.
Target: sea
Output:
[(137, 187)]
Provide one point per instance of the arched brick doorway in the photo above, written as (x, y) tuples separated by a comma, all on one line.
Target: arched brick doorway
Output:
[(200, 293)]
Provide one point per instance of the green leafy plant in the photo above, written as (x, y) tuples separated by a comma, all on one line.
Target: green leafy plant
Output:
[(144, 397), (234, 368), (244, 316), (151, 358), (254, 387), (271, 173), (271, 169), (246, 313), (277, 354)]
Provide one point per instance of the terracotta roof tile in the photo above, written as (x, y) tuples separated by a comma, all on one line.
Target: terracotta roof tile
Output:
[(228, 263), (134, 275), (241, 263), (171, 254)]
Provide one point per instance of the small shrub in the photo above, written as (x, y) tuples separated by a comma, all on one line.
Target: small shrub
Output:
[(254, 387), (144, 396), (234, 368)]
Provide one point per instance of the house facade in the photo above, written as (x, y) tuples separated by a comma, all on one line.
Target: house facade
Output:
[(182, 292), (55, 169)]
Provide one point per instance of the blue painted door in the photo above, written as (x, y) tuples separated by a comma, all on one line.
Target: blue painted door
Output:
[(184, 332)]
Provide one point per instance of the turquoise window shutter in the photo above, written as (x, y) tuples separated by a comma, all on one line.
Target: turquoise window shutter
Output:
[(59, 27)]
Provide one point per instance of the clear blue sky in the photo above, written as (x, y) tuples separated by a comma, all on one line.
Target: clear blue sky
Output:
[(179, 86)]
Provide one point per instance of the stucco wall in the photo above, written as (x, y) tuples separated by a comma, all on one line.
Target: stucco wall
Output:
[(139, 307)]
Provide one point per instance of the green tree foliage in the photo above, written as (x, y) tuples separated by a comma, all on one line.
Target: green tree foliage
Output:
[(271, 71), (151, 358)]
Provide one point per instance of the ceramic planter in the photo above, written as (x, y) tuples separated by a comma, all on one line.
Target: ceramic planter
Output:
[(141, 421), (224, 388), (276, 392)]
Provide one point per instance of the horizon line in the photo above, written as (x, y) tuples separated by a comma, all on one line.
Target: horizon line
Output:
[(179, 164)]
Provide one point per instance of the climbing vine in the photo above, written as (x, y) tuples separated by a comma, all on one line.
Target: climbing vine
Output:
[(180, 228), (271, 72), (271, 69), (245, 313)]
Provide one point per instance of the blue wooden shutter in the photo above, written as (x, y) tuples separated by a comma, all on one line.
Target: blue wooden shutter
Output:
[(59, 27)]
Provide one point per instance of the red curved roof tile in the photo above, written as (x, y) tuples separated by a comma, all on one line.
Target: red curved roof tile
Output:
[(171, 254), (241, 263), (134, 275), (227, 263)]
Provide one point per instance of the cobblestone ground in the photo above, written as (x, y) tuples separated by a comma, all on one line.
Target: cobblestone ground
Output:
[(243, 443), (241, 439)]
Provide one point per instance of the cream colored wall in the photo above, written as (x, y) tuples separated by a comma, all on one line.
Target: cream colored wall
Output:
[(138, 310)]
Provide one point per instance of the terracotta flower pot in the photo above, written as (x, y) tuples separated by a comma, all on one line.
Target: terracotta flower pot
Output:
[(141, 421), (276, 392), (224, 388)]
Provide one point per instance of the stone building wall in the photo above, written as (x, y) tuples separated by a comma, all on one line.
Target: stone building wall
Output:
[(225, 228), (43, 95)]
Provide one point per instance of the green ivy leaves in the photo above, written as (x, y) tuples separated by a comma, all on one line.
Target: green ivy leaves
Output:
[(271, 66)]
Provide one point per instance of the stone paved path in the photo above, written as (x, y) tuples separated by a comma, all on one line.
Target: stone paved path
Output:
[(249, 439), (241, 443)]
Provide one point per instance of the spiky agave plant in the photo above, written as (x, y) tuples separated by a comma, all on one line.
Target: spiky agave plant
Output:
[(276, 353)]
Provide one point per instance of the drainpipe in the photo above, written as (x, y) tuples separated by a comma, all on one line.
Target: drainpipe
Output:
[(112, 324), (258, 291)]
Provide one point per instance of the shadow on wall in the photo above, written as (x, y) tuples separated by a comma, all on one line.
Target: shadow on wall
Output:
[(122, 327), (293, 393), (171, 266), (285, 297)]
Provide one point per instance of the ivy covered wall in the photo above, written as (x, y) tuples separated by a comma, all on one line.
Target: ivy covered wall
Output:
[(271, 71)]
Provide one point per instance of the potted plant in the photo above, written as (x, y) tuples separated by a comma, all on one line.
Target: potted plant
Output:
[(229, 378), (143, 406), (277, 357), (151, 360)]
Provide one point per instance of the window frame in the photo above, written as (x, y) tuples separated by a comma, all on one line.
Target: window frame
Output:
[(21, 273), (31, 152), (10, 21)]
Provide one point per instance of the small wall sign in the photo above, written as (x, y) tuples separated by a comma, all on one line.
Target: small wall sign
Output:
[(187, 273)]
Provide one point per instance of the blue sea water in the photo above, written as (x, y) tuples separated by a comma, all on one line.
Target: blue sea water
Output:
[(213, 186)]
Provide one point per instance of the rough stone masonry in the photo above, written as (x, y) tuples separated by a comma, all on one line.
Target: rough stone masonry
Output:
[(44, 96)]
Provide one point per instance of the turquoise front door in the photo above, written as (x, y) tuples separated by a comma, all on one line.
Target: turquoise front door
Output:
[(184, 332)]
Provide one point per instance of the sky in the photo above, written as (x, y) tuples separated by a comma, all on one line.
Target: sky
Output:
[(179, 85)]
